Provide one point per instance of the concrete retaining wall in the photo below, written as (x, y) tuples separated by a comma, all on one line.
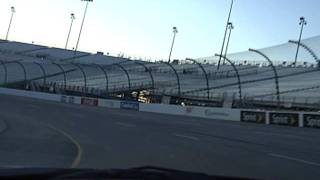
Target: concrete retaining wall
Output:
[(289, 118)]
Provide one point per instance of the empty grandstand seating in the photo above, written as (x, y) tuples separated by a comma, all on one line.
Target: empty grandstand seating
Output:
[(62, 71)]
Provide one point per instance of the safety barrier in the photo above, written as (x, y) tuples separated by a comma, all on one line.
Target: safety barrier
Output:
[(285, 118)]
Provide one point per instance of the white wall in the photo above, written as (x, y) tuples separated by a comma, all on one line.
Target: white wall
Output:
[(227, 114), (193, 111), (31, 94)]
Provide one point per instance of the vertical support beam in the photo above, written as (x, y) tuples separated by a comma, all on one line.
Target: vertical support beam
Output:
[(43, 72), (177, 76), (126, 72), (64, 75), (146, 69), (84, 76), (23, 69), (238, 76), (106, 76), (149, 71), (276, 77), (205, 74)]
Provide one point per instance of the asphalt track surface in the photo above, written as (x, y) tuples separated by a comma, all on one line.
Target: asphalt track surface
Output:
[(48, 134)]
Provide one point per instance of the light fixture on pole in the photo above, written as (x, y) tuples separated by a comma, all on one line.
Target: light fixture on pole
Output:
[(230, 27), (225, 34), (84, 16), (302, 23), (13, 10), (72, 19), (175, 31)]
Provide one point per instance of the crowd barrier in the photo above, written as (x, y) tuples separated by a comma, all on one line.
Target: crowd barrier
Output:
[(285, 118)]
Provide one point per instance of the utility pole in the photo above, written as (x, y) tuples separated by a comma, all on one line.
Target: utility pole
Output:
[(302, 23), (225, 34), (175, 31)]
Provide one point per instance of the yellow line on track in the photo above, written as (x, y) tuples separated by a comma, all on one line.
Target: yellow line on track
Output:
[(77, 160)]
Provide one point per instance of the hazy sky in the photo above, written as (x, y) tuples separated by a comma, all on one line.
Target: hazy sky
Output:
[(144, 27)]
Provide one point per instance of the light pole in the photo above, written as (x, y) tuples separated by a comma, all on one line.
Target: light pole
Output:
[(84, 16), (175, 31), (72, 19), (302, 23), (225, 34), (13, 10), (230, 27)]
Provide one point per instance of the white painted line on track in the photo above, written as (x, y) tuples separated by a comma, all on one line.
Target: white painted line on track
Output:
[(125, 124), (278, 134), (13, 167), (187, 137), (294, 159)]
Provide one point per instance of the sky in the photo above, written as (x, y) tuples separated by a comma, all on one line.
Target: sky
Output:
[(143, 28)]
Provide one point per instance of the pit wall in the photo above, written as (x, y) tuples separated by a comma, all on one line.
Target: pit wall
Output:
[(285, 118)]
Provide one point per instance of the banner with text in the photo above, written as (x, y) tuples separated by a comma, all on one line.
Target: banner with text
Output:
[(130, 105), (311, 120), (253, 116), (287, 119), (89, 101)]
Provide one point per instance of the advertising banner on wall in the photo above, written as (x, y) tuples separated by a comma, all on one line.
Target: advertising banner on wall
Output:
[(67, 99), (130, 105), (311, 120), (89, 101), (253, 116), (286, 119)]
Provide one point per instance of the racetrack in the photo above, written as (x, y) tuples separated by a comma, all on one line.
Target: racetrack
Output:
[(48, 134)]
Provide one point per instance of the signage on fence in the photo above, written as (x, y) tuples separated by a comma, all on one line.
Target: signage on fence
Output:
[(288, 119), (252, 116), (89, 101), (67, 99), (311, 120), (130, 105)]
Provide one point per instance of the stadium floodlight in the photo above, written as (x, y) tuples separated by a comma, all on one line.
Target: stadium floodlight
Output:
[(175, 31), (84, 16), (225, 34), (72, 19), (230, 27), (13, 10), (302, 23)]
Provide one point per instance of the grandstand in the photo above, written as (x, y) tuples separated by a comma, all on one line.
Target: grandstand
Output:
[(250, 80)]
